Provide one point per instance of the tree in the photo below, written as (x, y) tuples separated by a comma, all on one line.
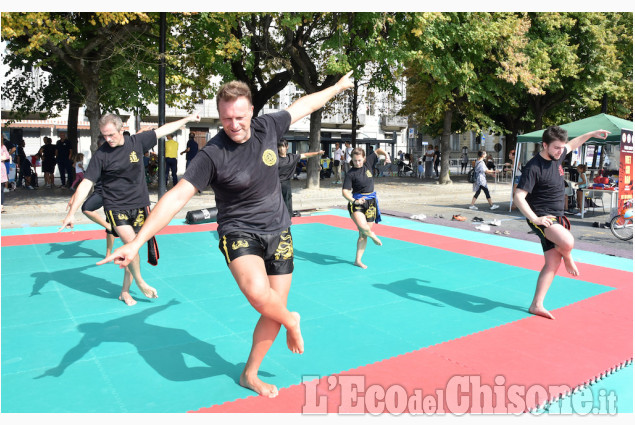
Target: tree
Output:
[(455, 70), (106, 59)]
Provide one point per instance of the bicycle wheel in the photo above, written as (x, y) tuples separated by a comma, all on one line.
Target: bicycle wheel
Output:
[(622, 228)]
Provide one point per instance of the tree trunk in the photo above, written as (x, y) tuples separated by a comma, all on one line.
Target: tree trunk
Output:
[(74, 103), (444, 175), (313, 163), (354, 106), (93, 113)]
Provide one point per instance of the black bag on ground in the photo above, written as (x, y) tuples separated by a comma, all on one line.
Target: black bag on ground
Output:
[(206, 215)]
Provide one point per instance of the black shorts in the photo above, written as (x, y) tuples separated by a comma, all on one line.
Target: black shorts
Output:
[(48, 166), (134, 218), (540, 231), (93, 203), (276, 249), (368, 208)]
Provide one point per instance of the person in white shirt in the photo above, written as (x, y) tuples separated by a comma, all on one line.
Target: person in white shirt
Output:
[(338, 155)]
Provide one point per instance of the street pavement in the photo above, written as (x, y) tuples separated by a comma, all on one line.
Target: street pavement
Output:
[(398, 196)]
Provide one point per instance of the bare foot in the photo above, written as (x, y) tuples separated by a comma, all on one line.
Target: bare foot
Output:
[(127, 298), (148, 290), (374, 237), (256, 385), (541, 311), (360, 264), (569, 264), (294, 336)]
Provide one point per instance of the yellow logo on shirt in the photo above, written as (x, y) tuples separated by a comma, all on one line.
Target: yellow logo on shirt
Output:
[(134, 157), (269, 157), (369, 174)]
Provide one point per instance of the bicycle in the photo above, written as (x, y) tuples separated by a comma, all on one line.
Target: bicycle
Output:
[(622, 224)]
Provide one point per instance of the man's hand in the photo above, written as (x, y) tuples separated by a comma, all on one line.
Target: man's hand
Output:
[(545, 221), (69, 220), (121, 256), (344, 83), (601, 134)]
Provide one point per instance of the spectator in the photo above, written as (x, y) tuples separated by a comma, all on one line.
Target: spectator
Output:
[(429, 161), (63, 155), (437, 160), (5, 156), (347, 157), (25, 166), (47, 153), (480, 170), (337, 163), (191, 150), (583, 183), (171, 155), (490, 164), (7, 162), (79, 169), (464, 160)]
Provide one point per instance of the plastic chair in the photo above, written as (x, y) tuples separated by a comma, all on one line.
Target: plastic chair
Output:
[(596, 197)]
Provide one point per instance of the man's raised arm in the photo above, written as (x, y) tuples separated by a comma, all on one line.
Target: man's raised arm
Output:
[(574, 144), (172, 127), (310, 103), (167, 207)]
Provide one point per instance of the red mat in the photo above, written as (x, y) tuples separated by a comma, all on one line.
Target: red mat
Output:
[(512, 368)]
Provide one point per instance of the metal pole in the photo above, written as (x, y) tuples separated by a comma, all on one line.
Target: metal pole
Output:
[(162, 185)]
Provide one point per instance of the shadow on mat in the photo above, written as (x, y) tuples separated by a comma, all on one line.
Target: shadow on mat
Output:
[(407, 287), (78, 280), (74, 250), (319, 258), (162, 348)]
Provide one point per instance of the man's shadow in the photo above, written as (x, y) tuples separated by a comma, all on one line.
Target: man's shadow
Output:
[(319, 258), (406, 288), (73, 250), (78, 280), (162, 348)]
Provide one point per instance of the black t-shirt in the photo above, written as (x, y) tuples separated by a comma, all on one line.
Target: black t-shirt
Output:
[(63, 150), (244, 177), (544, 182), (287, 165), (121, 171), (360, 180), (193, 146), (48, 153)]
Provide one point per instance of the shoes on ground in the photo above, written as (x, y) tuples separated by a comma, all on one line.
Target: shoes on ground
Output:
[(458, 217), (477, 219)]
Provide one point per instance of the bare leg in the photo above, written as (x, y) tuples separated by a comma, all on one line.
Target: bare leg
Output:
[(264, 334), (251, 277), (110, 242), (125, 289), (563, 239), (365, 231), (548, 272), (127, 234)]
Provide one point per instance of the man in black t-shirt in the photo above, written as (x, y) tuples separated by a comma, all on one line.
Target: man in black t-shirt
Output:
[(63, 155), (190, 151), (118, 164), (539, 196), (240, 163), (287, 163)]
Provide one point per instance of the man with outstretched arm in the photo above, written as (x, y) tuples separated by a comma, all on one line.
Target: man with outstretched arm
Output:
[(539, 197), (240, 164), (118, 164)]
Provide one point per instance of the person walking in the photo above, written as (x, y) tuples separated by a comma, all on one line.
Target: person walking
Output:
[(480, 184)]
